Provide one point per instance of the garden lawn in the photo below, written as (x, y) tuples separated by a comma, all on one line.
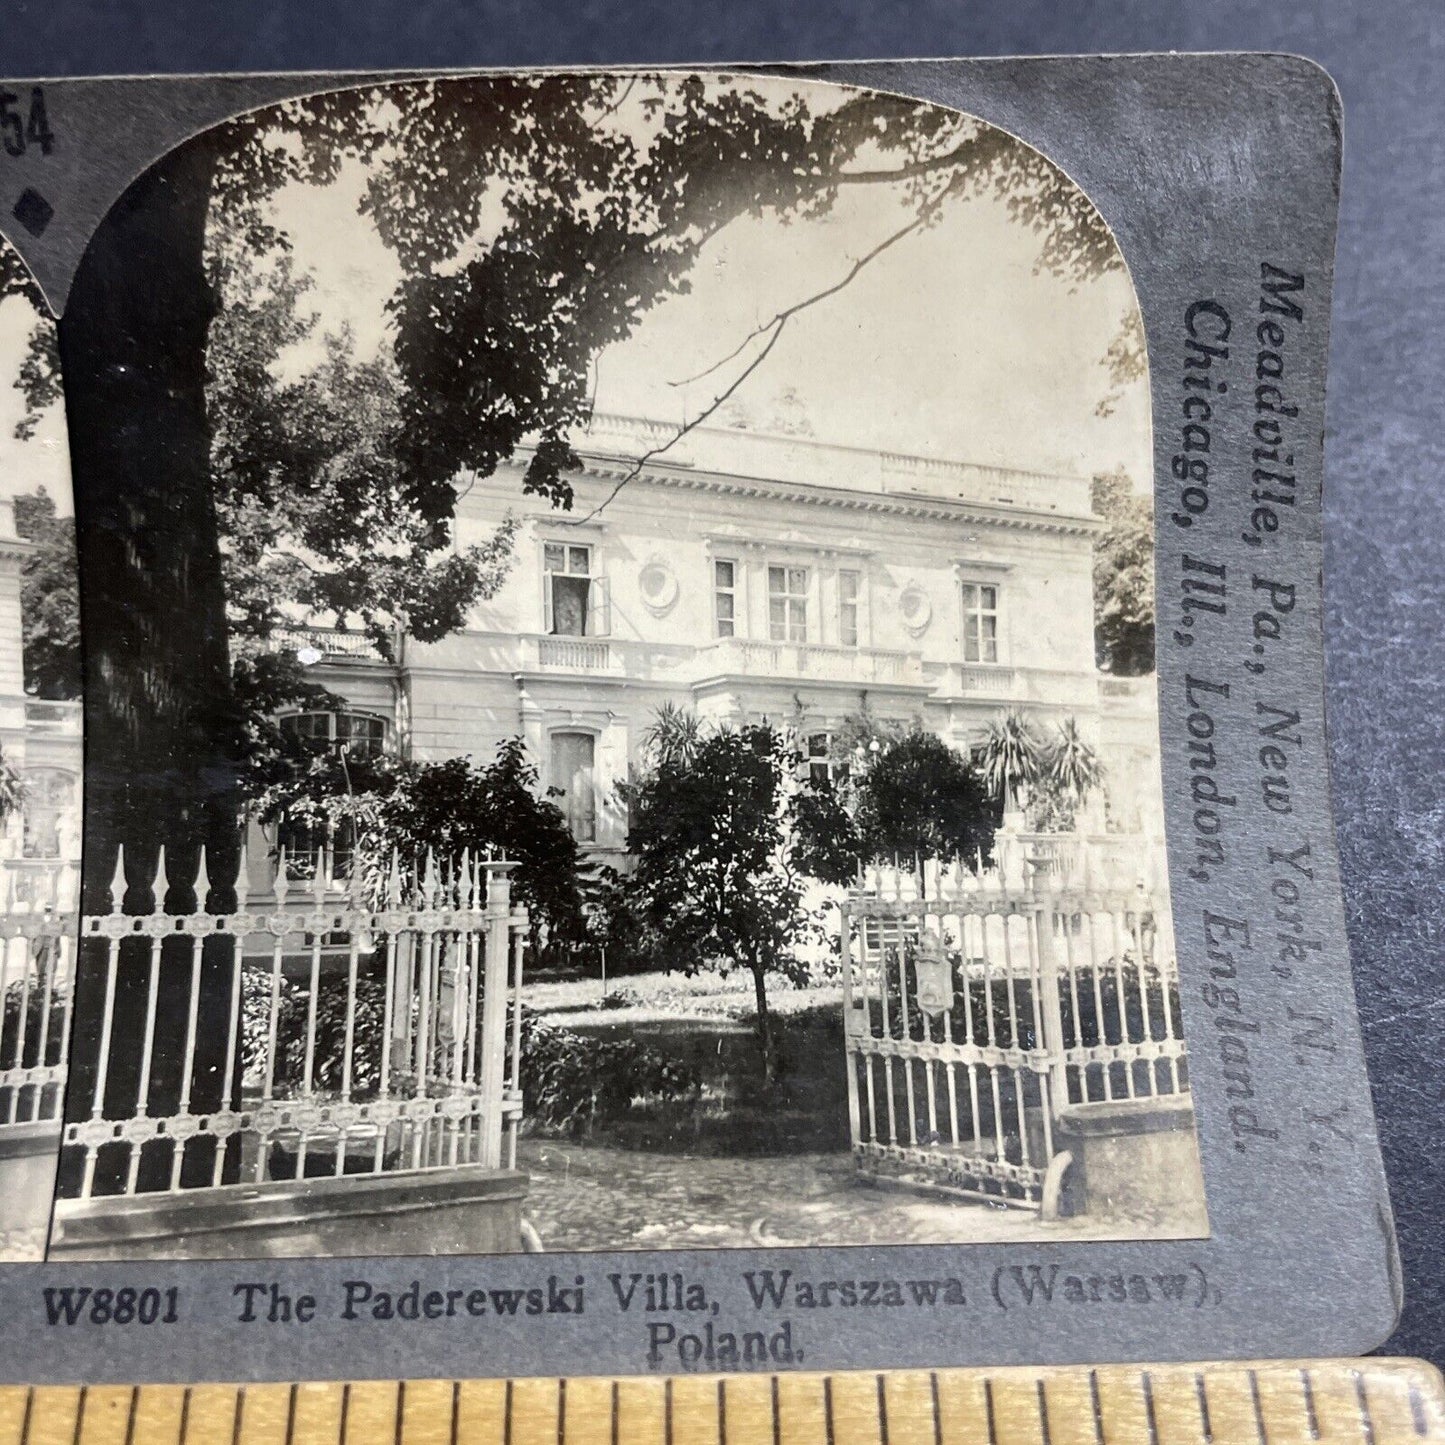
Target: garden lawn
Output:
[(706, 1021)]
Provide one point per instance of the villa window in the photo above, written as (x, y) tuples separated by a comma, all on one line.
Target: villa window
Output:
[(823, 767), (849, 590), (788, 604), (575, 602), (980, 622), (725, 597), (356, 734), (574, 776), (49, 795)]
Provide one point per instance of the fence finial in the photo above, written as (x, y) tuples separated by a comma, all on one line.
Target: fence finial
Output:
[(464, 888), (393, 882), (117, 881), (429, 879), (162, 883), (282, 885), (203, 883), (320, 869)]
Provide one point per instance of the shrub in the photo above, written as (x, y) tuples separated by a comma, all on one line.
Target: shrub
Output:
[(571, 1081)]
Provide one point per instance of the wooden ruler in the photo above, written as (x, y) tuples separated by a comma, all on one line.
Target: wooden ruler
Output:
[(1363, 1402)]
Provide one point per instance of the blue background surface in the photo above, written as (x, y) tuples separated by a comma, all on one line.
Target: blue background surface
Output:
[(1384, 508)]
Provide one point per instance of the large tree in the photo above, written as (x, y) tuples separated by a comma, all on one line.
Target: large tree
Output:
[(49, 599), (534, 219), (1123, 577)]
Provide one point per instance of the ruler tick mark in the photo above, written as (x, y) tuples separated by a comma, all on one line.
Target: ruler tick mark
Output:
[(1417, 1411), (828, 1407), (30, 1407), (507, 1415), (562, 1411), (1367, 1424), (1098, 1407), (777, 1416), (130, 1416), (1150, 1418), (400, 1409), (186, 1414), (882, 1412), (616, 1411), (1045, 1434), (667, 1411), (722, 1412), (1312, 1417), (345, 1422), (80, 1413), (937, 1413), (1204, 1420), (988, 1406), (290, 1418), (1258, 1408), (237, 1411)]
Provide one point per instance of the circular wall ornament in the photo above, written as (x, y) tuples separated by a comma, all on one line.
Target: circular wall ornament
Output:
[(658, 584), (915, 608)]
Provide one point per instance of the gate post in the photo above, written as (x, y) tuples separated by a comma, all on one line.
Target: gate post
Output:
[(1050, 1005), (852, 1020), (494, 1009)]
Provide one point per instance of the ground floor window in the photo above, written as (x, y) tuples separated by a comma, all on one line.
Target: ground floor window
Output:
[(357, 734), (574, 776), (823, 765), (49, 793)]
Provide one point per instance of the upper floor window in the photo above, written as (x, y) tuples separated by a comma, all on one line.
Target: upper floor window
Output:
[(849, 590), (357, 734), (574, 600), (725, 597), (788, 604), (980, 622)]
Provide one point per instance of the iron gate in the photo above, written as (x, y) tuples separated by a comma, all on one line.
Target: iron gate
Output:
[(974, 1015)]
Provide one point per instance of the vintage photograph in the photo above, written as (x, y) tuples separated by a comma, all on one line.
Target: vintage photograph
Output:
[(40, 761), (619, 642)]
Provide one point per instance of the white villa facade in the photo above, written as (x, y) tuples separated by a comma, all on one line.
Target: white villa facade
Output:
[(747, 576), (41, 741)]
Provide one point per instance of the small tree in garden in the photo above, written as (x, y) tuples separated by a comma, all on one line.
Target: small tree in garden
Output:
[(12, 788), (1011, 757), (722, 860), (921, 799), (1069, 771)]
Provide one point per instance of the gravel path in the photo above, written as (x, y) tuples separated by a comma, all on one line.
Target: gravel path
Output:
[(592, 1197)]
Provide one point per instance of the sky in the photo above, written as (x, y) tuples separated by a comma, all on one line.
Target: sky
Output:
[(948, 345)]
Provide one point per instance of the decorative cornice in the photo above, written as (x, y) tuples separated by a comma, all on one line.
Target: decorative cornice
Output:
[(942, 509)]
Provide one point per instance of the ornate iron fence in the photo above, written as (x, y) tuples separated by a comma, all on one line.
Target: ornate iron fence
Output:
[(328, 1029), (974, 1012), (38, 927)]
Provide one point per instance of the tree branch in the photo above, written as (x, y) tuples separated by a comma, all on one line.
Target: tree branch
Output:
[(776, 327)]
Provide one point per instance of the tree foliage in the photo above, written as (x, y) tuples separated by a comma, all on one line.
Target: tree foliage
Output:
[(385, 805), (722, 857), (920, 798), (1123, 577), (315, 514), (49, 599)]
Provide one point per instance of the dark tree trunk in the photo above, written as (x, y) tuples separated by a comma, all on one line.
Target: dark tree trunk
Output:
[(161, 732), (765, 1023)]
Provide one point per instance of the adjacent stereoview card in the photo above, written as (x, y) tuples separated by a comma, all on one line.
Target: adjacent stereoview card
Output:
[(703, 729)]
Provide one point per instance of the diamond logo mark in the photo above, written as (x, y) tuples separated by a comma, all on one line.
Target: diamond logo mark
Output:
[(33, 211)]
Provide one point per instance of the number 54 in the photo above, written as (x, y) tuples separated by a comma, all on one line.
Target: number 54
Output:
[(21, 128)]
